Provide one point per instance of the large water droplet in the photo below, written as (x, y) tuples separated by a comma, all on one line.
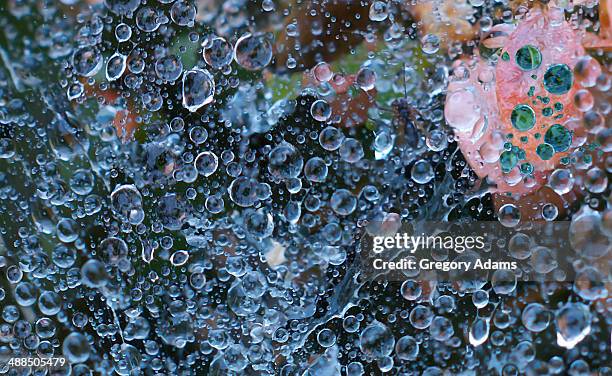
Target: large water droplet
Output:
[(198, 89)]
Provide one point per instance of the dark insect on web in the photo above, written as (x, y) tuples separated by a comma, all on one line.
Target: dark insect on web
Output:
[(406, 121)]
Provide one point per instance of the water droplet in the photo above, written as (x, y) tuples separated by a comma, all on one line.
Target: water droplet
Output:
[(86, 61), (183, 13), (76, 348), (115, 66), (479, 331), (366, 79), (320, 110), (422, 172), (315, 170), (343, 202), (218, 53), (523, 117), (559, 137), (376, 340), (536, 317), (378, 11), (430, 44), (509, 215), (127, 203), (198, 89), (573, 322), (331, 138), (561, 180), (285, 161), (123, 32), (169, 68), (243, 191), (206, 163), (528, 57), (147, 19), (545, 151), (323, 72), (351, 150), (558, 79), (253, 52)]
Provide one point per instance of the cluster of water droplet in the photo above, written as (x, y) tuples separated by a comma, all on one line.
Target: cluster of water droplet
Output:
[(175, 202)]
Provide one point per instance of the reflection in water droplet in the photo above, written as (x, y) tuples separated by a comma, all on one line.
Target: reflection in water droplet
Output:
[(115, 66), (253, 52), (198, 89)]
